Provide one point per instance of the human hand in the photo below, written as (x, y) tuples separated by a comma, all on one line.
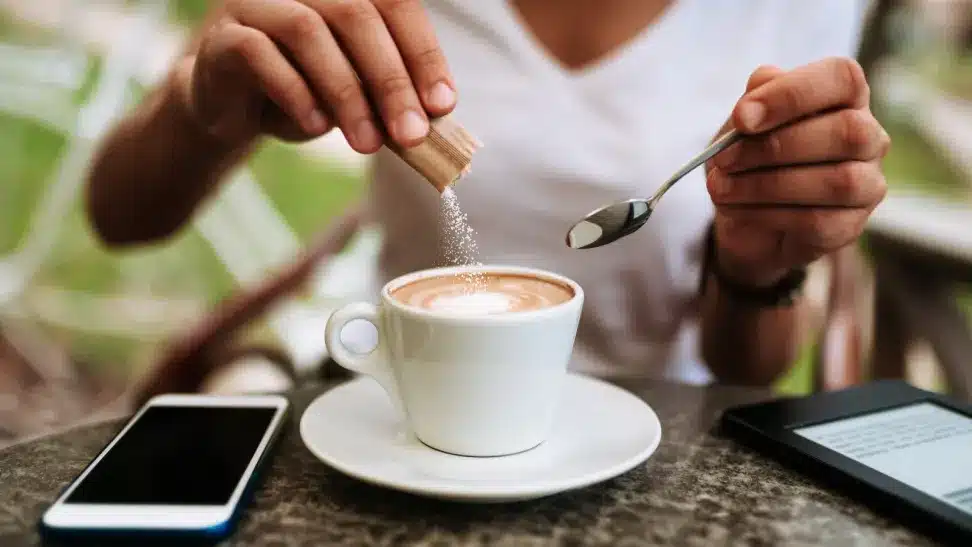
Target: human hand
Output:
[(805, 178), (297, 68)]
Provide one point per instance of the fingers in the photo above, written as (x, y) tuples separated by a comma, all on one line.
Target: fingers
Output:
[(851, 184), (835, 136), (376, 66), (364, 37), (415, 37), (257, 55), (804, 181), (814, 88), (801, 235), (303, 32)]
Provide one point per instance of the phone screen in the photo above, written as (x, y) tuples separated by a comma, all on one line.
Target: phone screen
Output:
[(177, 455), (923, 445)]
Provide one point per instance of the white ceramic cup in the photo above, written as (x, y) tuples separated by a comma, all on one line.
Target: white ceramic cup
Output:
[(482, 385)]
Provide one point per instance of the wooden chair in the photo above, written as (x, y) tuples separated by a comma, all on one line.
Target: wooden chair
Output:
[(41, 384), (922, 251), (185, 363), (918, 245)]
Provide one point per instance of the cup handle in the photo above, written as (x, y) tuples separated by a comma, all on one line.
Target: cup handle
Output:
[(374, 363)]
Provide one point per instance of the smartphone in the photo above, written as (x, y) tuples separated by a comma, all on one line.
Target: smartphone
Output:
[(181, 466)]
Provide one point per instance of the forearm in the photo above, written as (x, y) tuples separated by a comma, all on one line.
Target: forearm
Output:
[(154, 168), (747, 344)]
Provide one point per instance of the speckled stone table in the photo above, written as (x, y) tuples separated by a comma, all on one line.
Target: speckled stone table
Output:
[(697, 489)]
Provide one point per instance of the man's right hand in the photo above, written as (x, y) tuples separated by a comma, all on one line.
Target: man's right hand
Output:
[(297, 68)]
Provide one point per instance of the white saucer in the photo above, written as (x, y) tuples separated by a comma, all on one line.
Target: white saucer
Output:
[(600, 432)]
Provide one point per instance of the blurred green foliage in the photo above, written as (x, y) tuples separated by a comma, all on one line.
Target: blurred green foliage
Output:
[(957, 78), (915, 164), (189, 11)]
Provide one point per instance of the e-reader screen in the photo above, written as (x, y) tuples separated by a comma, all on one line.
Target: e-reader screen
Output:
[(923, 445)]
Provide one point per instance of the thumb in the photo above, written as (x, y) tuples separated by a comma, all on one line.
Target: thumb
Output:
[(760, 76), (763, 75)]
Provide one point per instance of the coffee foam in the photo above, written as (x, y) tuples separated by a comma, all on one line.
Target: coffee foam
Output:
[(492, 294), (474, 303)]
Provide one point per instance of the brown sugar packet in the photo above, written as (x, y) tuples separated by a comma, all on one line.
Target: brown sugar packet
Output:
[(444, 156)]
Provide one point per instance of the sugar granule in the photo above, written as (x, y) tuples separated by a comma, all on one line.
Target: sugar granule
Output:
[(457, 242)]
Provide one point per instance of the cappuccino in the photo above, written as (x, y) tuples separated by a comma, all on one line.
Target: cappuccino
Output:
[(491, 293)]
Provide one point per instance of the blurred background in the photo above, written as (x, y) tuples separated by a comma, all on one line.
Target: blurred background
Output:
[(78, 325)]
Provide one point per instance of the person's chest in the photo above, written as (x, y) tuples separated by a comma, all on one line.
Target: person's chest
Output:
[(580, 33), (559, 143)]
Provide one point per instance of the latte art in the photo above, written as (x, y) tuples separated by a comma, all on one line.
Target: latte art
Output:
[(465, 302), (491, 294)]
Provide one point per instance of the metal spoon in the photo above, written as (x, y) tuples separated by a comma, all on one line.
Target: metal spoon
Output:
[(612, 222)]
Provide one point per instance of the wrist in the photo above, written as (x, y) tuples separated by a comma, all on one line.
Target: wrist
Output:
[(741, 281), (740, 273)]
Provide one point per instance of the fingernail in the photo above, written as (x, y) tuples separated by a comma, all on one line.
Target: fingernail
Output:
[(751, 115), (441, 96), (366, 134), (316, 121), (412, 126)]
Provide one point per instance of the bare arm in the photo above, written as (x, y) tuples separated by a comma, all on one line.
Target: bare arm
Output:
[(747, 344), (154, 168), (292, 69), (800, 186)]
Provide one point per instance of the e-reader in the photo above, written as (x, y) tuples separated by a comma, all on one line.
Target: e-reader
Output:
[(905, 451)]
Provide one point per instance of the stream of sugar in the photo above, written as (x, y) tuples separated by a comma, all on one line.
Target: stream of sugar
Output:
[(457, 242)]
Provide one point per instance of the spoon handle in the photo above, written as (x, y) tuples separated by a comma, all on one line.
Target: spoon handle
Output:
[(725, 141)]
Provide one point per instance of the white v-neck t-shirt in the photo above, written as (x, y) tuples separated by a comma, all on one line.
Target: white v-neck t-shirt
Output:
[(559, 143)]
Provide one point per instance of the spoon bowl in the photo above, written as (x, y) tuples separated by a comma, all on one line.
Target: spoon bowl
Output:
[(612, 222), (609, 223)]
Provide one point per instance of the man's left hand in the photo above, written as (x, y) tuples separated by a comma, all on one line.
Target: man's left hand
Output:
[(806, 176)]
